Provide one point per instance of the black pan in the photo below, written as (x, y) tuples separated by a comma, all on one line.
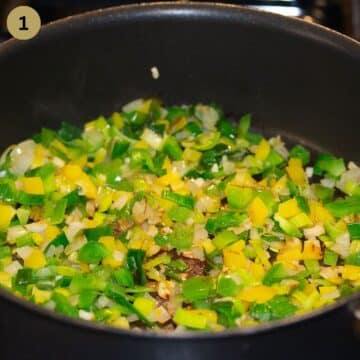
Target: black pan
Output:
[(299, 80)]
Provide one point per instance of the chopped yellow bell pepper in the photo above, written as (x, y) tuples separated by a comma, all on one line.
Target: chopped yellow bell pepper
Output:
[(108, 241), (208, 246), (39, 156), (118, 120), (319, 214), (40, 296), (296, 171), (7, 212), (5, 279), (75, 174), (121, 322), (289, 208), (38, 238), (144, 305), (243, 178), (301, 220), (51, 232), (280, 184), (191, 155), (259, 294), (234, 258), (33, 185), (263, 150), (35, 260), (258, 212), (351, 272), (312, 250)]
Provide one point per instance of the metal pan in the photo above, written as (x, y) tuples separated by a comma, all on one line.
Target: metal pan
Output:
[(299, 80)]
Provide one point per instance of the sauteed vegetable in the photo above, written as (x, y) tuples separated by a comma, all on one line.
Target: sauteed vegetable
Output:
[(176, 218)]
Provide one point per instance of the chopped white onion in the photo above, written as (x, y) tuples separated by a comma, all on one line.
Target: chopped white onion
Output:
[(342, 245), (309, 172), (314, 232), (152, 139), (86, 315), (13, 268), (22, 157), (208, 115), (133, 105)]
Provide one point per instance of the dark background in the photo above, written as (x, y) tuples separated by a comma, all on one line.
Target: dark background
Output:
[(341, 15)]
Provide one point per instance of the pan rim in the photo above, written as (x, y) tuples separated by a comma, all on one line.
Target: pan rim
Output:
[(297, 27)]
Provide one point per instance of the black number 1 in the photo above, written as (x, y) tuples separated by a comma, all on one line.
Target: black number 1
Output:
[(23, 22)]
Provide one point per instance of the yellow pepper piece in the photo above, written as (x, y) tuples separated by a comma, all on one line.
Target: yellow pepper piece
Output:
[(296, 171), (87, 186), (35, 260), (5, 279), (208, 246), (72, 172), (243, 178), (259, 294), (75, 174), (118, 120), (95, 222), (38, 238), (40, 296), (312, 250), (301, 220), (121, 323), (258, 212), (141, 144), (263, 150), (291, 251), (256, 270), (84, 267), (289, 208), (108, 241), (171, 178), (319, 214), (33, 185), (144, 305), (211, 316), (109, 261), (100, 156), (263, 183), (7, 212), (51, 232), (280, 184), (234, 257), (351, 272), (39, 156), (191, 155), (327, 289), (120, 246)]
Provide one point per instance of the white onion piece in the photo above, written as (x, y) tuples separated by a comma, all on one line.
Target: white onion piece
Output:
[(22, 157), (351, 175), (15, 232), (342, 245), (208, 115), (133, 105), (152, 139), (13, 268), (24, 251), (36, 227)]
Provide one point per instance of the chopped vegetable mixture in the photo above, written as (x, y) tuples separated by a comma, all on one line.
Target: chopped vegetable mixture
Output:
[(176, 218)]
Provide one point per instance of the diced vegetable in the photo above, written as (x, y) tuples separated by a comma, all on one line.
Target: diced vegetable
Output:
[(160, 217), (197, 288), (92, 252)]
